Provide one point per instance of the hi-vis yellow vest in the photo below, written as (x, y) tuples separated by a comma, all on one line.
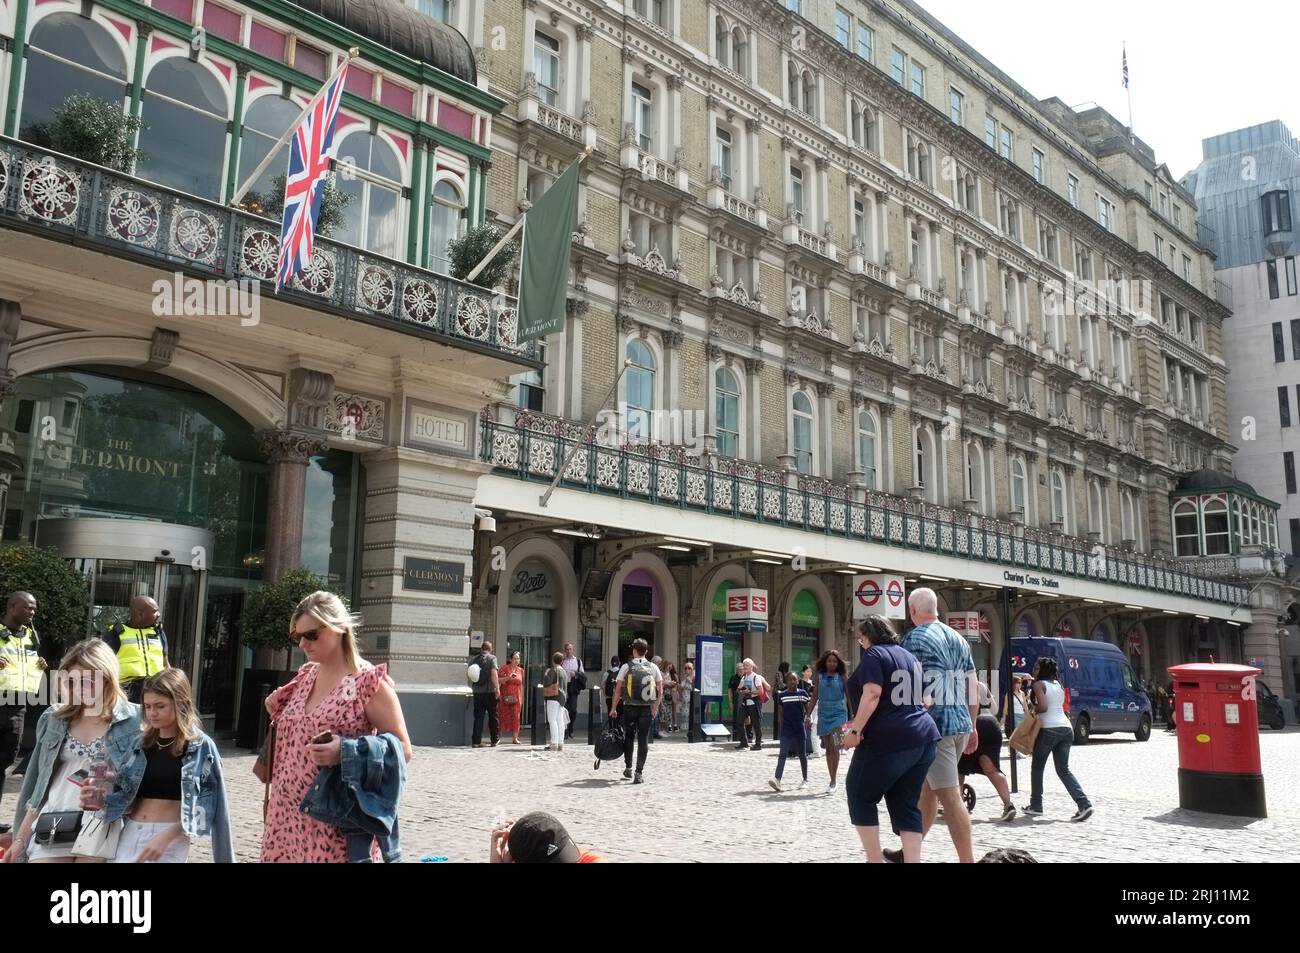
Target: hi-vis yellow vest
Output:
[(139, 653), (21, 673)]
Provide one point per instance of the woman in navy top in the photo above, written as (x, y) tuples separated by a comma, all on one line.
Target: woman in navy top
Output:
[(895, 738)]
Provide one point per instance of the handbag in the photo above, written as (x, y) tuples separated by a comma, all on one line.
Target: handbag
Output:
[(1025, 736), (57, 827), (552, 690), (264, 767), (98, 837), (510, 692)]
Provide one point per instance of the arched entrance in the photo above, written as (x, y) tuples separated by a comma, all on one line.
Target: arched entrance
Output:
[(643, 603)]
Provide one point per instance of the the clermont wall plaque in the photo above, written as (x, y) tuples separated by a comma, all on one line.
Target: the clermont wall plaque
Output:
[(432, 575)]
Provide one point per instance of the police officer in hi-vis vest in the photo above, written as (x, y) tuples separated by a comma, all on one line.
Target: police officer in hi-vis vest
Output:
[(21, 672), (141, 647)]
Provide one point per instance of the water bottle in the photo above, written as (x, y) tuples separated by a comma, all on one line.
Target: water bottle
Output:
[(102, 776)]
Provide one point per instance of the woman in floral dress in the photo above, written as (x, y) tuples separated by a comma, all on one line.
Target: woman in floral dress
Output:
[(336, 691), (512, 696)]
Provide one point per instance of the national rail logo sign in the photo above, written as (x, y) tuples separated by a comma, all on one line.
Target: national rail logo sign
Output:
[(878, 595)]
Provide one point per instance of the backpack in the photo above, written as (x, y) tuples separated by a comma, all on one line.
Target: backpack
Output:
[(641, 687), (482, 663)]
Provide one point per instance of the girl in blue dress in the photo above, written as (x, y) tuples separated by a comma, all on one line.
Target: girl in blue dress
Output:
[(830, 699)]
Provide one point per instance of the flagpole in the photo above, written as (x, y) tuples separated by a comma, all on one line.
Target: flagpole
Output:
[(1128, 88), (514, 230), (353, 54), (578, 444)]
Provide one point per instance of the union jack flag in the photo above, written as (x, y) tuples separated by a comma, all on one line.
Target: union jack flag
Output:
[(1126, 67), (310, 152)]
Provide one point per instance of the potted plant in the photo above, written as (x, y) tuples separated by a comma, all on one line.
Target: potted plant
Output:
[(468, 250), (93, 130), (270, 204)]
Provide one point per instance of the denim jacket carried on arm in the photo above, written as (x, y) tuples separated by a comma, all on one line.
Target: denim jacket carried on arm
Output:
[(361, 794), (205, 809), (120, 742)]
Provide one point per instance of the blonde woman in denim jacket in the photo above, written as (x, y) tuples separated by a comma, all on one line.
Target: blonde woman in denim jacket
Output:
[(94, 721), (173, 789)]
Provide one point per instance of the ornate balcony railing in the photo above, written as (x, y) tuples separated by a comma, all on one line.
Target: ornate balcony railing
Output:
[(535, 445), (49, 193)]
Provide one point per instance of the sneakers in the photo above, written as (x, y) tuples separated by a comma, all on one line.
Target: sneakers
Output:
[(831, 788), (627, 774), (1082, 814), (776, 784), (1032, 811), (892, 856), (1008, 813), (742, 746), (637, 779), (802, 784)]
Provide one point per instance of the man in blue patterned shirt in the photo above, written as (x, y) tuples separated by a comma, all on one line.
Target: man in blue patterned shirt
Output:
[(952, 695)]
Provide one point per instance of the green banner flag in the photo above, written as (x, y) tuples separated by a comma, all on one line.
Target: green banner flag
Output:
[(544, 272)]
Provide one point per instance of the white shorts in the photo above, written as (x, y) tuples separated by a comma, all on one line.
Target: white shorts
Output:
[(136, 836)]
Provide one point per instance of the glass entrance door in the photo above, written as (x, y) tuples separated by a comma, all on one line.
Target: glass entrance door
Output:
[(122, 559)]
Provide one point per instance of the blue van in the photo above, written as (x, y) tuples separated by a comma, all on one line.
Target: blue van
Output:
[(1102, 695)]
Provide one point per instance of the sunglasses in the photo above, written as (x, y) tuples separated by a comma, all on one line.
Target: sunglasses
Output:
[(311, 635)]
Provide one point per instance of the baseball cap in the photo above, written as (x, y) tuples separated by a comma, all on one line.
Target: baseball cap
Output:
[(538, 838)]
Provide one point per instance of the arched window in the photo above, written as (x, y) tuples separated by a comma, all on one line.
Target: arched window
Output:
[(68, 54), (808, 102), (1187, 529), (1095, 509), (1254, 523), (184, 138), (447, 215), (792, 83), (726, 412), (740, 52), (265, 121), (721, 37), (975, 473), (1019, 483), (1127, 516), (802, 411), (1237, 524), (867, 456), (927, 471), (640, 380), (373, 215), (1058, 496), (1217, 542)]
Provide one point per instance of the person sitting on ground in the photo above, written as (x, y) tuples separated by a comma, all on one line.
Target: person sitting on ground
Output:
[(537, 838), (1008, 855)]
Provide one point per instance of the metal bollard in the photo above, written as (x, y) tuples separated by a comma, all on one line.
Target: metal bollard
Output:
[(539, 716), (693, 733), (594, 713)]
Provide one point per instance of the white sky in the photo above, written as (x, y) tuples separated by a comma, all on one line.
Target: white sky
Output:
[(1195, 68)]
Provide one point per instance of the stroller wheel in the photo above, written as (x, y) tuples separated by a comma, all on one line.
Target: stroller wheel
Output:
[(968, 795)]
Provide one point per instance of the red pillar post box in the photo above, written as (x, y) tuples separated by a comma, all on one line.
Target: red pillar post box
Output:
[(1218, 739)]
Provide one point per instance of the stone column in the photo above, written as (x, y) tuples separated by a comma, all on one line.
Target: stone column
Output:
[(420, 506), (289, 452), (753, 408)]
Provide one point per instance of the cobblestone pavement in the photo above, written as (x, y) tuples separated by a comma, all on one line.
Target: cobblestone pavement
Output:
[(704, 803)]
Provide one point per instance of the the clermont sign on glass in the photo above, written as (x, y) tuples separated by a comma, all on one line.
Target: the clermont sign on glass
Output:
[(1028, 580), (117, 456)]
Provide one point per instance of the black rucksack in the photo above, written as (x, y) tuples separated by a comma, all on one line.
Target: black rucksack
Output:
[(641, 687), (484, 663)]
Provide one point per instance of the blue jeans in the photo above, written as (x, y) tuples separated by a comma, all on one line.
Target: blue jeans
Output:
[(1056, 742), (792, 744), (897, 776)]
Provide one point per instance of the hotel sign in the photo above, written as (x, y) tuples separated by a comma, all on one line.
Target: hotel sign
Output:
[(430, 575), (439, 429)]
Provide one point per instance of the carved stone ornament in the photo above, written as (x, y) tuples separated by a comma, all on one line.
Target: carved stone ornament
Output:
[(310, 394), (289, 446)]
